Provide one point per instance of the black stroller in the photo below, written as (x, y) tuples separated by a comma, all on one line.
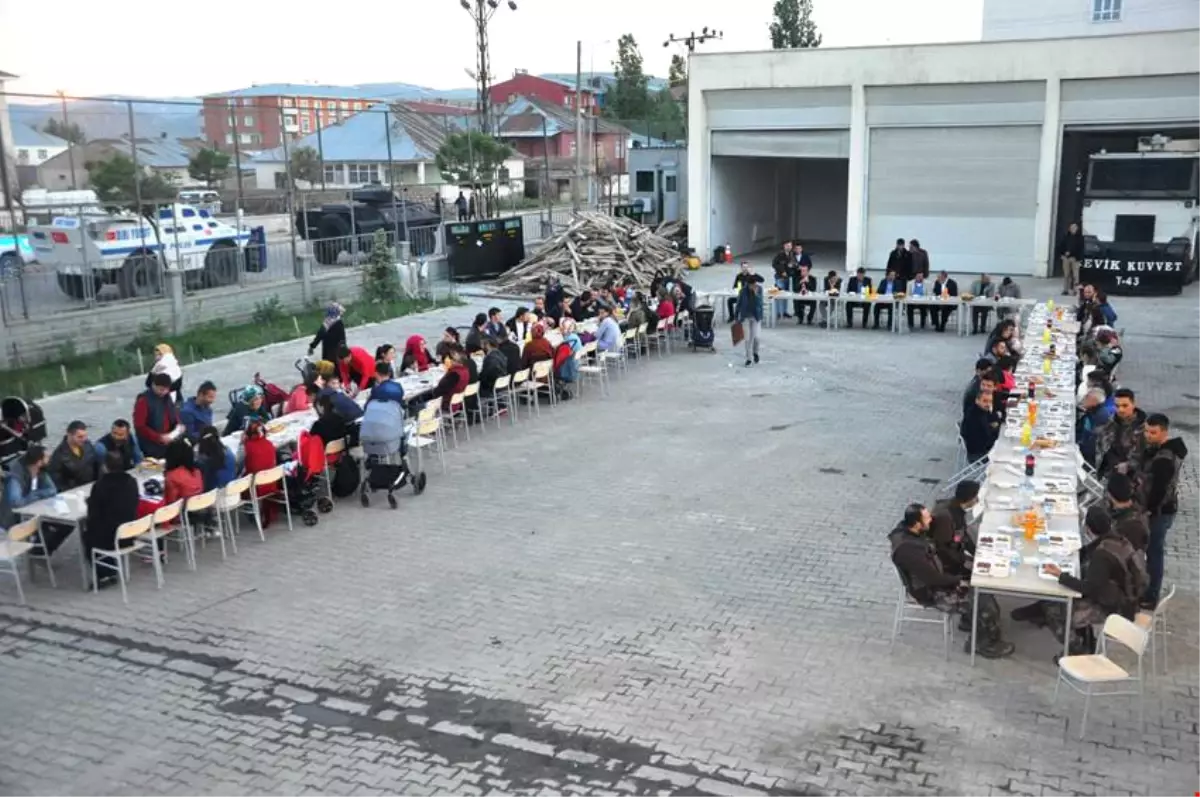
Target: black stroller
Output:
[(385, 461), (703, 336), (22, 424)]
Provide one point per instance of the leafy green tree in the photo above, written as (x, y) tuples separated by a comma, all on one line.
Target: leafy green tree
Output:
[(116, 182), (473, 159), (69, 131), (380, 282), (677, 73), (629, 97), (306, 165), (209, 166), (793, 26)]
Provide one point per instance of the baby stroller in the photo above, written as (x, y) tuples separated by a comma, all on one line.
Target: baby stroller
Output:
[(385, 463), (703, 336), (22, 424), (304, 497)]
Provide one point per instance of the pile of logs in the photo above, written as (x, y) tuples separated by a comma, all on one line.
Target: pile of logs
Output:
[(674, 231), (594, 249)]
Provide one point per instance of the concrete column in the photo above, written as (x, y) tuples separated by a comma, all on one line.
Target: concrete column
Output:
[(699, 169), (421, 173), (856, 188), (174, 287), (1043, 218)]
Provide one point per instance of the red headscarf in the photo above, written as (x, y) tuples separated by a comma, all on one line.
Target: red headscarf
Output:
[(415, 347)]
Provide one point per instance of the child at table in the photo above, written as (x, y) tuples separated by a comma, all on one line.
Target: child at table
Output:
[(218, 465), (181, 478), (260, 455), (113, 501)]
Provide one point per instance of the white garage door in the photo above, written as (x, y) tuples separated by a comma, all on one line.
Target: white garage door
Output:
[(781, 143), (969, 194)]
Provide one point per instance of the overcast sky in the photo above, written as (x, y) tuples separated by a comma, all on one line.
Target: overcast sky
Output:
[(187, 49)]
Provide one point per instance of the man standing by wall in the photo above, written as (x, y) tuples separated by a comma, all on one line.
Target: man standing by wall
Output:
[(1070, 249), (783, 264)]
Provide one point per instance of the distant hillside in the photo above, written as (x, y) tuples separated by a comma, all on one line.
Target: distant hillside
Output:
[(109, 118)]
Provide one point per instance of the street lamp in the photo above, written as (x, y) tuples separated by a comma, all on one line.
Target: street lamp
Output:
[(481, 12), (693, 38)]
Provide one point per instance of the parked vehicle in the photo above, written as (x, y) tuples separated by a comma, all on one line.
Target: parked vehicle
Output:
[(350, 227)]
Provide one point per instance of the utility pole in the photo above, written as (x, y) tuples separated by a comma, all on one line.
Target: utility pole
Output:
[(481, 12), (62, 96), (578, 182)]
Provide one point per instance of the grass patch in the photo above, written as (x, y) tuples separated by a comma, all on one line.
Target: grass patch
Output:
[(270, 323)]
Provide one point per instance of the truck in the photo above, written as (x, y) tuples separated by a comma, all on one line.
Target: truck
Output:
[(132, 252), (1141, 218), (350, 226)]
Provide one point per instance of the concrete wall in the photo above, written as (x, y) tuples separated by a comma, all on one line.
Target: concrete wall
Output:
[(1054, 63), (744, 212), (820, 199), (1053, 19)]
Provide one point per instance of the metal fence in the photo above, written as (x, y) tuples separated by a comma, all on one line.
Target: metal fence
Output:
[(278, 167)]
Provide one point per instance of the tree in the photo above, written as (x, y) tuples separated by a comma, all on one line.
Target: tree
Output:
[(665, 117), (473, 158), (70, 132), (677, 74), (629, 97), (306, 165), (380, 282), (116, 182), (209, 166), (793, 26)]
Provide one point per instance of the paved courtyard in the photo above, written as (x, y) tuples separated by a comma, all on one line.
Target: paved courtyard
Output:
[(683, 588)]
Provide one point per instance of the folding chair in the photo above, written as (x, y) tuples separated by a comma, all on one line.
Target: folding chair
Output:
[(588, 371), (427, 431), (520, 388), (541, 379), (130, 533), (457, 413), (231, 500), (909, 611), (1085, 673), (168, 526), (266, 478), (661, 339), (336, 449), (205, 502), (39, 553), (1154, 623), (618, 357), (490, 406), (15, 545)]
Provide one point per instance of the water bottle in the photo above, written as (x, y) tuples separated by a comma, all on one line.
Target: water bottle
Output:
[(1027, 484)]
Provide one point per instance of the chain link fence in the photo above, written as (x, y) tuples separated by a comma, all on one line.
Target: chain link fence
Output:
[(106, 197)]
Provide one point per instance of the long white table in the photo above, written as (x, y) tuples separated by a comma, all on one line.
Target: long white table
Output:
[(1054, 474)]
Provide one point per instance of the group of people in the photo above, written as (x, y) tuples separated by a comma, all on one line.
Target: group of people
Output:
[(1134, 456)]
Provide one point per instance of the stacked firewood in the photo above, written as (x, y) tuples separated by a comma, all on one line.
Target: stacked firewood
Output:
[(674, 231), (594, 250)]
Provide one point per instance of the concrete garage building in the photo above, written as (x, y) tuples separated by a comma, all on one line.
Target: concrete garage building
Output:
[(959, 145)]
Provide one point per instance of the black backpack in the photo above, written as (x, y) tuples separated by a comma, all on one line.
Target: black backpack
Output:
[(346, 477)]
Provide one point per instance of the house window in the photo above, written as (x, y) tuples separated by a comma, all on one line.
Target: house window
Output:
[(669, 181), (331, 105), (362, 173), (334, 173), (305, 124), (23, 156), (345, 105), (287, 102), (229, 138), (303, 103), (245, 138), (247, 121), (572, 147), (643, 182), (1106, 10)]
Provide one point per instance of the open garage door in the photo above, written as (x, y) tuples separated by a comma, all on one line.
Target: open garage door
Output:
[(968, 193)]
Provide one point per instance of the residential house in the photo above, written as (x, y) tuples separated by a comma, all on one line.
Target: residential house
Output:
[(256, 118), (545, 133), (545, 89), (404, 136), (163, 156), (34, 147), (1005, 20)]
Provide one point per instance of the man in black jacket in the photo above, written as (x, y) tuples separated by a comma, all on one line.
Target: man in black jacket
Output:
[(916, 558), (512, 353), (804, 284), (113, 501), (1070, 249), (948, 529), (858, 284), (900, 261), (980, 427), (73, 463), (942, 314), (982, 382), (1158, 465), (495, 366), (782, 264)]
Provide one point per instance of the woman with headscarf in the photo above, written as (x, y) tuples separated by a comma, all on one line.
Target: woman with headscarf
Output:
[(250, 407), (566, 367), (538, 348), (416, 355), (332, 333), (165, 362)]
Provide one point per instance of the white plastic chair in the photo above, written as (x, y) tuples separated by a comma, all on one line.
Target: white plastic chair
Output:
[(232, 499), (265, 478), (909, 611), (16, 544), (591, 372), (521, 388), (661, 339), (130, 533), (335, 448), (490, 406), (1085, 673), (205, 502), (425, 432), (168, 526), (1154, 623)]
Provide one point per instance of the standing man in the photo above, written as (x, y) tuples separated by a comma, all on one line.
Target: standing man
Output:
[(744, 276), (900, 261), (947, 287), (782, 264), (919, 257), (799, 261), (750, 314), (460, 203), (1158, 476), (1070, 249), (1118, 440)]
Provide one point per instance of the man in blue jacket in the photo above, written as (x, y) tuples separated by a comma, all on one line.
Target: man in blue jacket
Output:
[(750, 314)]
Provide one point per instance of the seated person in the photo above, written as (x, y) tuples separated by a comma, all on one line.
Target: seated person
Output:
[(946, 287), (520, 324), (1096, 408), (495, 366), (259, 454), (1111, 582), (916, 558), (980, 428), (666, 306), (416, 356), (1128, 518), (28, 481), (495, 326), (982, 288), (251, 406), (387, 354), (120, 439), (344, 405), (608, 334), (474, 340), (888, 286), (566, 366), (329, 425), (196, 412), (916, 289), (181, 478), (74, 462), (300, 399), (537, 349), (512, 353), (583, 307), (984, 370), (454, 381), (832, 285), (218, 465), (386, 388), (638, 313), (859, 284), (356, 368), (113, 501), (803, 284), (949, 529)]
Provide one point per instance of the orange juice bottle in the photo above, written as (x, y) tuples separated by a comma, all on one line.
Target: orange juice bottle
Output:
[(1033, 411), (1030, 525)]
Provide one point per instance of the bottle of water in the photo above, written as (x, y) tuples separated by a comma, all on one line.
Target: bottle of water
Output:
[(1027, 484)]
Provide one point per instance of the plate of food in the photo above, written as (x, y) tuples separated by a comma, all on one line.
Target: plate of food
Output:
[(997, 543), (276, 427), (993, 566), (152, 464), (1064, 567)]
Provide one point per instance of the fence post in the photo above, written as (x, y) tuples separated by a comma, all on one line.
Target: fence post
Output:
[(178, 308), (299, 269)]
